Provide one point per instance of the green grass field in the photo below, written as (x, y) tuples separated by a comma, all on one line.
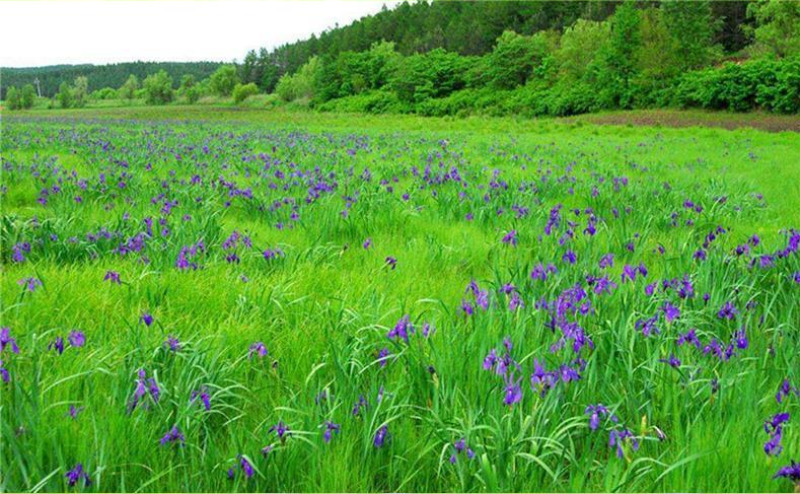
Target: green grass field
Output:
[(378, 261)]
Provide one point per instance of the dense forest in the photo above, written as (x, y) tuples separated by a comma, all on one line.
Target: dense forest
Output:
[(463, 27), (99, 76)]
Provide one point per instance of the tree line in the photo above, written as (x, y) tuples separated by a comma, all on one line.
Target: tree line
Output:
[(504, 57)]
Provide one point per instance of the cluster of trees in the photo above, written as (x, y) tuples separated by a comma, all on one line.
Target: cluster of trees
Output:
[(159, 88), (50, 78), (465, 28), (609, 55)]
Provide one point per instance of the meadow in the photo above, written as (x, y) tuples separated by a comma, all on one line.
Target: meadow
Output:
[(224, 300)]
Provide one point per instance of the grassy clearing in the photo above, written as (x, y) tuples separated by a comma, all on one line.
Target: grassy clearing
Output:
[(315, 188)]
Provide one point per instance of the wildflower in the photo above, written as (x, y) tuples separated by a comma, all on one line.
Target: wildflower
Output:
[(728, 311), (330, 428), (402, 329), (57, 345), (74, 411), (785, 390), (367, 243), (775, 422), (513, 392), (173, 436), (596, 412), (144, 386), (4, 374), (619, 437), (569, 257), (113, 277), (671, 312), (76, 474), (773, 446), (392, 262), (607, 261), (30, 283), (172, 343), (247, 468), (689, 337), (672, 361), (266, 450), (258, 348), (381, 436), (281, 430), (510, 238), (205, 398), (7, 340), (361, 403), (383, 356), (460, 446), (791, 472), (76, 338), (146, 318)]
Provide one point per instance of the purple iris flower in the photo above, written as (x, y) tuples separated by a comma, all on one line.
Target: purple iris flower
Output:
[(113, 277), (619, 437), (460, 447), (30, 283), (76, 474), (247, 468), (785, 390), (510, 238), (391, 261), (205, 398), (791, 472), (671, 312), (7, 340), (146, 318), (174, 435), (672, 361), (4, 374), (513, 391), (367, 243), (258, 348), (596, 412), (76, 338), (607, 261), (381, 436), (728, 311), (383, 356), (172, 343), (281, 430), (57, 345), (402, 329), (144, 387), (74, 411), (330, 429)]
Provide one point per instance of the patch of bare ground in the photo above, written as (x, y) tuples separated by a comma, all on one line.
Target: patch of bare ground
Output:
[(691, 118)]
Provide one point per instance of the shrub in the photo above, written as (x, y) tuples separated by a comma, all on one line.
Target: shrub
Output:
[(13, 99), (224, 80), (158, 88), (243, 91)]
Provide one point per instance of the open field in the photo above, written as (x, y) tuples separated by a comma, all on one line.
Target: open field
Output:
[(207, 299)]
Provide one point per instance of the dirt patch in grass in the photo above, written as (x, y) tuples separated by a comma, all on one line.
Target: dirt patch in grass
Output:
[(679, 118)]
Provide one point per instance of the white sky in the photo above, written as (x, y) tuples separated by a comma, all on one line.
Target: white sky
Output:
[(34, 33)]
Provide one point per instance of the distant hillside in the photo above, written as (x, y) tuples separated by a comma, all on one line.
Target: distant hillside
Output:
[(100, 76)]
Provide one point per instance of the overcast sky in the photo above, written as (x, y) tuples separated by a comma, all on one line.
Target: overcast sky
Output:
[(37, 33)]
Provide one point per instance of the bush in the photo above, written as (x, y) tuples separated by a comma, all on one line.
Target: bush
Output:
[(375, 102), (434, 74), (243, 91), (301, 84), (13, 99), (105, 94), (768, 84), (128, 90), (65, 97), (158, 88), (224, 80)]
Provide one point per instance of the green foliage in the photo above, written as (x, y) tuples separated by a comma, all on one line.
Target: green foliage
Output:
[(158, 88), (768, 84), (128, 90), (430, 75), (515, 57), (13, 99), (243, 91), (224, 80), (80, 91), (351, 73), (65, 96), (778, 26), (579, 47), (189, 89), (300, 85), (692, 31), (106, 93), (374, 102)]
